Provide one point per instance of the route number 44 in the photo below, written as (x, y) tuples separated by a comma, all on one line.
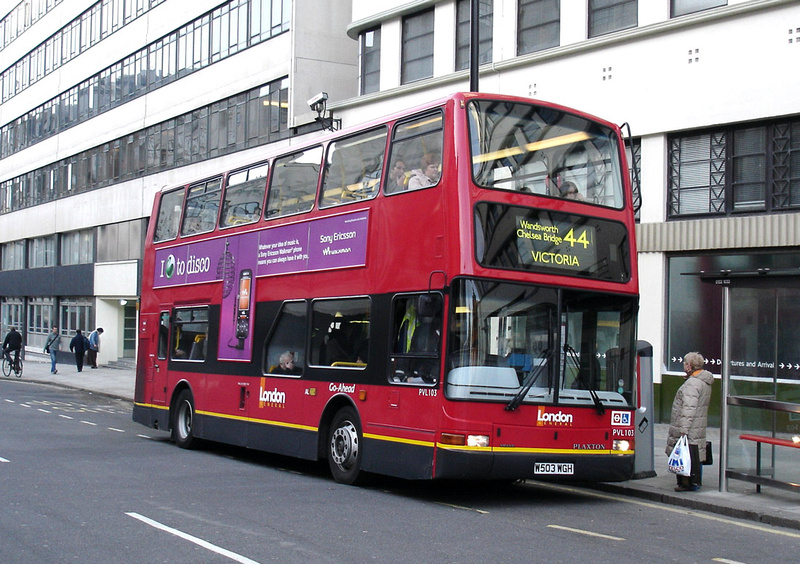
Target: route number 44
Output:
[(581, 240)]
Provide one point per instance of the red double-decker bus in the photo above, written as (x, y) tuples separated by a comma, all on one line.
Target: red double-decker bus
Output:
[(450, 292)]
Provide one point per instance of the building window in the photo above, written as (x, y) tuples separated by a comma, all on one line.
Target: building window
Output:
[(694, 314), (120, 241), (14, 255), (42, 252), (75, 313), (40, 319), (683, 7), (485, 34), (417, 56), (752, 168), (538, 25), (369, 60), (220, 128), (191, 47), (11, 311), (77, 247), (606, 16), (633, 147)]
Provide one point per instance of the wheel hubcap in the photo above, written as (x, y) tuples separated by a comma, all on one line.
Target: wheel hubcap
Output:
[(344, 445), (186, 420)]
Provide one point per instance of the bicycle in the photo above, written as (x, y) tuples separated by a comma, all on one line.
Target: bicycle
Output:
[(9, 366)]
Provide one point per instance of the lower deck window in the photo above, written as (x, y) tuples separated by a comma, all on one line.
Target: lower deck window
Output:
[(340, 333), (189, 334)]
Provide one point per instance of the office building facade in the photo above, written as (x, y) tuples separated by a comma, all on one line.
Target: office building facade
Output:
[(155, 93)]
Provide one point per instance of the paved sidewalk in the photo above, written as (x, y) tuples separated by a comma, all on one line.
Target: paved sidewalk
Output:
[(772, 506)]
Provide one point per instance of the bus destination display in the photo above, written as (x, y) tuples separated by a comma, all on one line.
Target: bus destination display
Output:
[(518, 238)]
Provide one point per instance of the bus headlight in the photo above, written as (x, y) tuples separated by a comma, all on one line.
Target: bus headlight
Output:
[(478, 440), (621, 445)]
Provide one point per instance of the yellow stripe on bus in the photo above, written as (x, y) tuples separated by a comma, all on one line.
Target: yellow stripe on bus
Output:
[(414, 442), (262, 421), (152, 406), (386, 438)]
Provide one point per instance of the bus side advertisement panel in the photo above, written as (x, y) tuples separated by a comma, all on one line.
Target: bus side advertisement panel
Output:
[(323, 244)]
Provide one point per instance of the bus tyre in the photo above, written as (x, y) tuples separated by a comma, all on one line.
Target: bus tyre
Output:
[(344, 447), (182, 419)]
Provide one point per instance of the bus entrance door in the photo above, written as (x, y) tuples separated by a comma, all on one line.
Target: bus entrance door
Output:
[(155, 365)]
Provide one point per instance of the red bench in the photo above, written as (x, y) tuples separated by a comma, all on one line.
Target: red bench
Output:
[(758, 479)]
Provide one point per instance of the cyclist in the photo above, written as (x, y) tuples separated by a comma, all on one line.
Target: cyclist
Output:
[(12, 343)]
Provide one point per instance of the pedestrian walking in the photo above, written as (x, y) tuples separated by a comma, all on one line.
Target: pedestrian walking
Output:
[(78, 346), (690, 417), (52, 346), (94, 346)]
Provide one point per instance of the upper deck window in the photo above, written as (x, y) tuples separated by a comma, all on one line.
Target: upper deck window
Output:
[(244, 196), (202, 207), (169, 215), (353, 168), (544, 151), (294, 183), (416, 154)]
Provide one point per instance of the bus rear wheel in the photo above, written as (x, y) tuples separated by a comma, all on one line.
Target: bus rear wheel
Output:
[(182, 419), (344, 447)]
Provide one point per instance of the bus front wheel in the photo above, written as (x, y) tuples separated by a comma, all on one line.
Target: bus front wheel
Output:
[(182, 419), (344, 447)]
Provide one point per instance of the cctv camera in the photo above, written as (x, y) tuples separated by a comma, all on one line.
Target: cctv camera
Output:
[(317, 102)]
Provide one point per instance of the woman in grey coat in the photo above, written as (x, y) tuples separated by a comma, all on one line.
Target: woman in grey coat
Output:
[(690, 417)]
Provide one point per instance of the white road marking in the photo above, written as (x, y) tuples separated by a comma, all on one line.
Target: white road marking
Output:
[(3, 459), (44, 410), (584, 532), (116, 430), (463, 508), (200, 542), (89, 423), (64, 416), (726, 561), (668, 508)]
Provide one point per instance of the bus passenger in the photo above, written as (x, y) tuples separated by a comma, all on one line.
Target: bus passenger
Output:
[(408, 325), (286, 365), (397, 177), (569, 191), (334, 349), (427, 174)]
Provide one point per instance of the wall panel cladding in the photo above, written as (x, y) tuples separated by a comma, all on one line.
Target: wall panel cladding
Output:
[(778, 230)]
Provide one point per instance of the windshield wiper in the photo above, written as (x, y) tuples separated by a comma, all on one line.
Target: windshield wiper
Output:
[(572, 355), (530, 379)]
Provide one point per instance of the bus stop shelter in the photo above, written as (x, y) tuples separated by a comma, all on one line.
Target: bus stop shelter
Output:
[(760, 354)]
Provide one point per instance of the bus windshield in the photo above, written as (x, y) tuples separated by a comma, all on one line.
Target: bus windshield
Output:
[(517, 343), (544, 151)]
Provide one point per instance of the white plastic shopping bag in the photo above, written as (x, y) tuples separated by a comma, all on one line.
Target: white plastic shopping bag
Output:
[(680, 462)]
